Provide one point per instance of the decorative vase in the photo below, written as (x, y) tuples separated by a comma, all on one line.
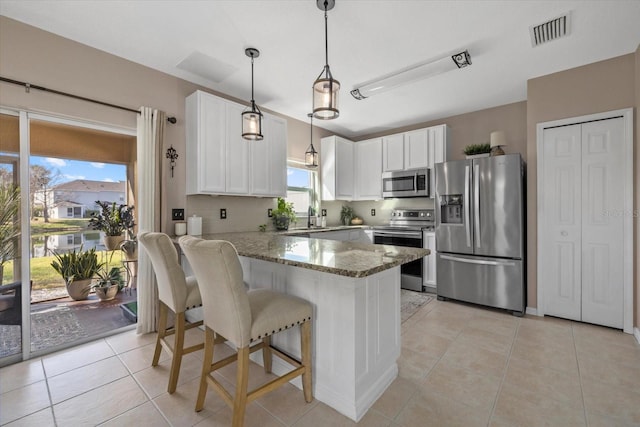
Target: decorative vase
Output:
[(78, 290), (281, 222), (112, 242), (106, 293)]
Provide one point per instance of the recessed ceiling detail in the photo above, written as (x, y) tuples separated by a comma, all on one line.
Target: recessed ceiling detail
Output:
[(206, 66), (550, 30)]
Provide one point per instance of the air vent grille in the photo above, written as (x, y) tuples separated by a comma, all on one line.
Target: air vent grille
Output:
[(550, 30)]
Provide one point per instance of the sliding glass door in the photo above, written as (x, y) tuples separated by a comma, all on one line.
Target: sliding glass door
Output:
[(52, 173)]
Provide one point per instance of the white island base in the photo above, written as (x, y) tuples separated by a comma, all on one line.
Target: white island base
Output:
[(356, 331)]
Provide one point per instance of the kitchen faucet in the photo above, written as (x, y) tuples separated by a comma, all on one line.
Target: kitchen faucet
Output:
[(309, 213)]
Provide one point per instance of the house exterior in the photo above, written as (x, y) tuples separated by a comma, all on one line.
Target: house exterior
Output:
[(72, 199)]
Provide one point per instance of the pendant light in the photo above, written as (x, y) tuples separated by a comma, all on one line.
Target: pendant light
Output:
[(311, 155), (326, 89), (252, 116)]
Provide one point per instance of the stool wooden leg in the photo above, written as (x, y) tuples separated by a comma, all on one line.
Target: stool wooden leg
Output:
[(177, 353), (242, 381), (162, 331), (305, 344), (209, 344), (266, 354)]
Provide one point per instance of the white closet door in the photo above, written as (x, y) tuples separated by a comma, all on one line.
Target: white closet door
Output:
[(602, 222), (561, 225)]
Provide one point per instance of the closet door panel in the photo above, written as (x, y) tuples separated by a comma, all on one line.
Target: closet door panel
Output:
[(561, 243), (602, 222)]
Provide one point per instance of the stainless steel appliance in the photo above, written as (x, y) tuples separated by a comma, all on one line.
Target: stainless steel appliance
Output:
[(480, 239), (405, 229), (409, 183)]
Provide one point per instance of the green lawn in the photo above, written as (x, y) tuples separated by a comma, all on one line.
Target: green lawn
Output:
[(38, 226)]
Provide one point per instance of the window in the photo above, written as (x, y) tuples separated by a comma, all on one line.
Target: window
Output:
[(70, 212), (301, 189)]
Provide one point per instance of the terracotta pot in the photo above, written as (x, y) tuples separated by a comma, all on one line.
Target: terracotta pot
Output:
[(112, 242), (106, 294), (79, 289), (130, 249)]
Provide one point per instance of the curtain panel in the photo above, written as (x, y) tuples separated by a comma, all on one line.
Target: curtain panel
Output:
[(151, 125)]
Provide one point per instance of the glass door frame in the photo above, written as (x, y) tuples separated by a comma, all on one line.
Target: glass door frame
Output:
[(25, 117)]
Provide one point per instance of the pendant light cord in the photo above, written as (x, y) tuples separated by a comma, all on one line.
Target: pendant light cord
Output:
[(326, 36), (252, 99)]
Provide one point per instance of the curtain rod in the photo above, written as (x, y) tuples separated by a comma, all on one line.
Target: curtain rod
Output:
[(29, 86)]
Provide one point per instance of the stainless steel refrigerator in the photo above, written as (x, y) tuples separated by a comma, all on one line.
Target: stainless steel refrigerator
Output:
[(480, 238)]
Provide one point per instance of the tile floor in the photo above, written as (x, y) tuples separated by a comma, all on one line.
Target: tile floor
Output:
[(460, 366)]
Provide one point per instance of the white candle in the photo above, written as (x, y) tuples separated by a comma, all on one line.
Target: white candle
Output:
[(181, 228)]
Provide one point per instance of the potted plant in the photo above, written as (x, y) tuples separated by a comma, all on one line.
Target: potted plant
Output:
[(346, 214), (9, 224), (477, 150), (110, 280), (77, 269), (112, 220), (283, 215)]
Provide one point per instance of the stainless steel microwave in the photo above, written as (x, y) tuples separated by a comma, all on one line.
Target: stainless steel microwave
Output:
[(408, 183)]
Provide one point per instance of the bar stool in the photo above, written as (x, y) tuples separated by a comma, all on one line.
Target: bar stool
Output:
[(244, 318), (176, 293)]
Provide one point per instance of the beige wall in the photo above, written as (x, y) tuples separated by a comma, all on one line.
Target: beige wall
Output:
[(636, 174), (38, 57), (598, 87), (475, 128)]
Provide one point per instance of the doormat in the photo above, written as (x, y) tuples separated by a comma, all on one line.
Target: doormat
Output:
[(410, 303)]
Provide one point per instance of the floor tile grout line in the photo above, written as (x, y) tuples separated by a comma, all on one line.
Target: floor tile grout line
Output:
[(46, 379), (584, 403), (506, 369)]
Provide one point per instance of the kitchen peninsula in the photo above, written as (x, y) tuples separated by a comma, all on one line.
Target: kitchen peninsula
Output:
[(355, 290)]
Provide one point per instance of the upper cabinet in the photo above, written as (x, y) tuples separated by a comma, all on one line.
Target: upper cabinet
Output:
[(220, 161), (393, 152), (351, 171), (368, 169), (336, 162), (420, 148)]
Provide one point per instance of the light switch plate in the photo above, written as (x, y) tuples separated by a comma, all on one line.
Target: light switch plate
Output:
[(324, 212), (223, 214), (270, 213), (373, 212)]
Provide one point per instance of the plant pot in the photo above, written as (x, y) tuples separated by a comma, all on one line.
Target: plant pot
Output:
[(106, 293), (79, 289), (477, 156), (281, 222), (130, 249), (112, 242)]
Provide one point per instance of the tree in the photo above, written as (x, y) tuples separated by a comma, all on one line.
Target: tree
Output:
[(41, 180)]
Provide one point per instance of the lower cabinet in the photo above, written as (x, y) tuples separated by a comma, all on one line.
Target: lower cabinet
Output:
[(346, 235)]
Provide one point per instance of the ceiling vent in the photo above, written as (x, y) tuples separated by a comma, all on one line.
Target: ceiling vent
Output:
[(550, 30)]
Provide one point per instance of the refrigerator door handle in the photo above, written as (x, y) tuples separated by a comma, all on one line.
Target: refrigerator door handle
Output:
[(478, 261), (467, 226), (476, 202)]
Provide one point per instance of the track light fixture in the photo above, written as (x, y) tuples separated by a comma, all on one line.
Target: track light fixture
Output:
[(411, 74), (252, 116), (326, 89), (311, 155)]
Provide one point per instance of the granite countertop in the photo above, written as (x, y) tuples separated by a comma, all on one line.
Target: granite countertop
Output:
[(352, 259)]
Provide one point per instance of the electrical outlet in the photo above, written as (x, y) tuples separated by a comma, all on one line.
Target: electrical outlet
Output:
[(270, 213), (223, 214), (177, 214), (373, 212), (324, 212)]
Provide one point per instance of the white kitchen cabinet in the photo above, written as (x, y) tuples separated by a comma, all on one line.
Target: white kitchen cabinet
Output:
[(345, 235), (393, 153), (269, 159), (237, 152), (416, 149), (220, 161), (421, 148), (336, 157), (368, 169), (429, 274)]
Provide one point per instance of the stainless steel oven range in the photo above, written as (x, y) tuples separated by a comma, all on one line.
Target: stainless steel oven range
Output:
[(405, 229)]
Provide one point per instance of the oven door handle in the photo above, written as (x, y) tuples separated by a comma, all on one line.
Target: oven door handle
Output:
[(411, 234)]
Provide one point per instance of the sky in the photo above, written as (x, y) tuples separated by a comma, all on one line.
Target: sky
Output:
[(73, 169)]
